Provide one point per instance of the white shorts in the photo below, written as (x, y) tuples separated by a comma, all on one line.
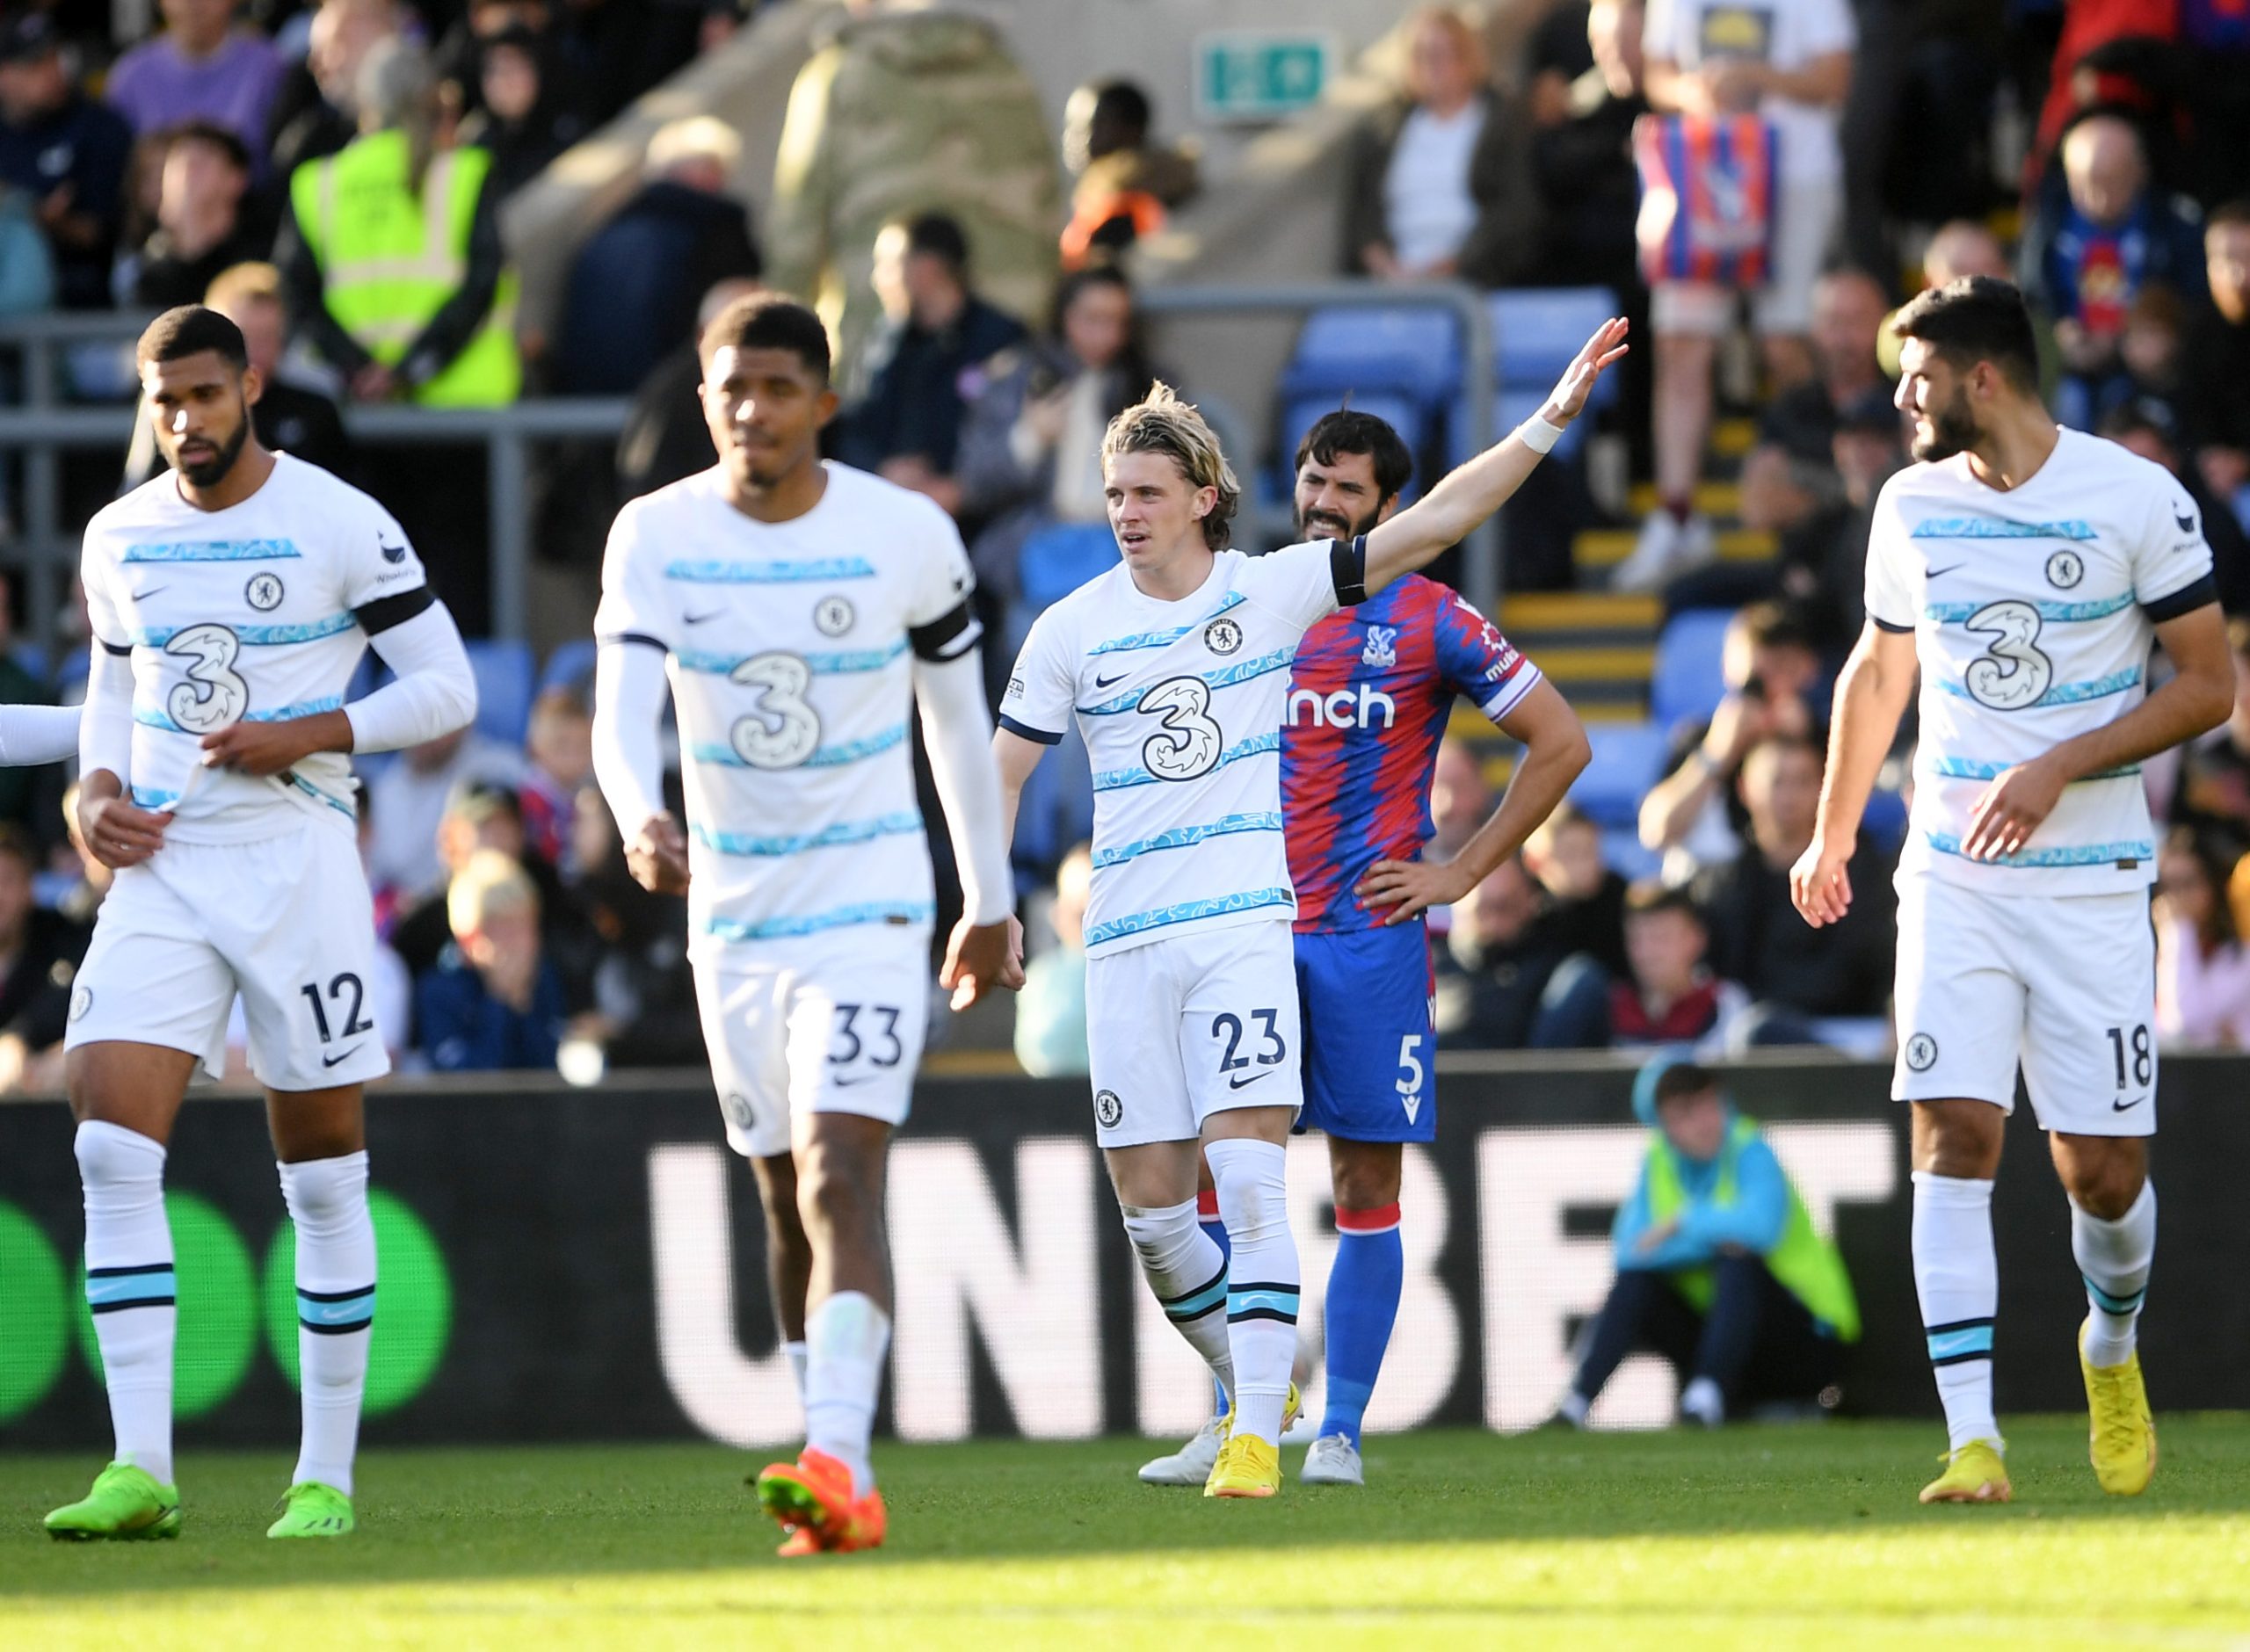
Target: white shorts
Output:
[(1177, 1030), (1804, 216), (286, 922), (828, 1023), (2064, 985)]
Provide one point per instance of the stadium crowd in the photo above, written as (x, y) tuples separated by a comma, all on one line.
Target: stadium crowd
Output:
[(2099, 153)]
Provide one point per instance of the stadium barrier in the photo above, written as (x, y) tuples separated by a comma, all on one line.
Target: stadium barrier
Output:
[(563, 1265)]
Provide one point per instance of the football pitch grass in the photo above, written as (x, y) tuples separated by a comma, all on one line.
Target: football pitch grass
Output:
[(1762, 1537)]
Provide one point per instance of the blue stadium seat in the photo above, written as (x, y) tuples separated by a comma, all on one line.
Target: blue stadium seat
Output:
[(1689, 682), (1536, 330), (72, 669), (31, 657), (1410, 349), (570, 665), (1628, 760), (1054, 561), (505, 674)]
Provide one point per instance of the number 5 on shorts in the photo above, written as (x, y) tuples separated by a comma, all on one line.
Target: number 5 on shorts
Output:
[(1410, 1065)]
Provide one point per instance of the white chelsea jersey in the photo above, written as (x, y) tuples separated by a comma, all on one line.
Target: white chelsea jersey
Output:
[(1180, 707), (2035, 615), (787, 645), (256, 613)]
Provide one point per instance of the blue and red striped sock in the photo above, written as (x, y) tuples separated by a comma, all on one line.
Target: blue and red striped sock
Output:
[(1363, 1291)]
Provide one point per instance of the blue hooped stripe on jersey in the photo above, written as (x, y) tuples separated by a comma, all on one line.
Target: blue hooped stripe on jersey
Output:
[(713, 572), (770, 928), (1181, 837), (1257, 745), (1986, 769), (216, 551), (826, 758), (1225, 677), (2067, 694), (1980, 527), (342, 808), (1141, 640), (153, 717), (2061, 855), (1971, 1340), (843, 832), (1954, 614), (1187, 912), (335, 1310), (108, 1289), (147, 797), (822, 664), (256, 636)]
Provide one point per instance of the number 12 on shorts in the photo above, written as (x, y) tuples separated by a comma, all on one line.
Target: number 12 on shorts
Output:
[(354, 1023), (2144, 1058)]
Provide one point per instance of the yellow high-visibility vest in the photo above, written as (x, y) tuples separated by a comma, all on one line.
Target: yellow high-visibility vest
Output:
[(389, 260)]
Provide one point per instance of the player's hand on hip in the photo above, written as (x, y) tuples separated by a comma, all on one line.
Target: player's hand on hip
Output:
[(1411, 887), (2011, 808), (119, 835), (268, 747), (1820, 883), (1607, 345), (981, 957), (657, 857)]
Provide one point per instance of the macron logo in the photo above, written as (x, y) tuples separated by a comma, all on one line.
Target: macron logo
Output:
[(1342, 709)]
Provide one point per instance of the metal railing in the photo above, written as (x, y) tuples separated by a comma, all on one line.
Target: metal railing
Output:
[(1482, 566), (46, 426)]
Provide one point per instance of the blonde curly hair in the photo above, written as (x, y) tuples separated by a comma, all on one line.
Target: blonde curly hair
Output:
[(1161, 423)]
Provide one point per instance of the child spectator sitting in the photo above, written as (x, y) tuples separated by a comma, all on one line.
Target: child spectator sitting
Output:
[(1669, 997), (494, 1003), (561, 745), (1585, 913)]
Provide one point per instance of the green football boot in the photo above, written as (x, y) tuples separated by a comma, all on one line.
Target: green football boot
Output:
[(313, 1511), (126, 1503)]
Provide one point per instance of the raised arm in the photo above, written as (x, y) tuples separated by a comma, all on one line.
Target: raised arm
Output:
[(1450, 512), (1871, 696)]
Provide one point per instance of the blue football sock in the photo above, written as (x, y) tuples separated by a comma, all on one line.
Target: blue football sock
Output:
[(1362, 1306), (1207, 1215)]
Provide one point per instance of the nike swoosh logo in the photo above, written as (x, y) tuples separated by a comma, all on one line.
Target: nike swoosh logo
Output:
[(1239, 1083), (1939, 573), (144, 595), (331, 1061), (1103, 682), (847, 1083), (2187, 523), (698, 618), (2127, 1107)]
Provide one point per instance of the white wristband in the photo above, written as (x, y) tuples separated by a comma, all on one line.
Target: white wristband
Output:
[(1538, 435)]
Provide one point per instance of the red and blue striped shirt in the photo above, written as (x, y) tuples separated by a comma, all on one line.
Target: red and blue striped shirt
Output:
[(1369, 693)]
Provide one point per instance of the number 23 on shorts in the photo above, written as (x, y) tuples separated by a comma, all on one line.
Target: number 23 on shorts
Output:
[(1269, 1049)]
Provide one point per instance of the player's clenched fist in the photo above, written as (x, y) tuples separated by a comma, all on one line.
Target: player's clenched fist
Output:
[(980, 957), (1820, 883), (657, 857), (268, 747)]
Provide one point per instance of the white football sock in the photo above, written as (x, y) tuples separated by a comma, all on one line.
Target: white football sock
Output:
[(336, 1309), (2114, 1258), (845, 1338), (1957, 1277), (1188, 1273), (794, 1353), (1262, 1278), (130, 1288)]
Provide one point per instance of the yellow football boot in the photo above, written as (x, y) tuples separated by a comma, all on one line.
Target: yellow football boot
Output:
[(1248, 1467), (2121, 1439), (1975, 1473)]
